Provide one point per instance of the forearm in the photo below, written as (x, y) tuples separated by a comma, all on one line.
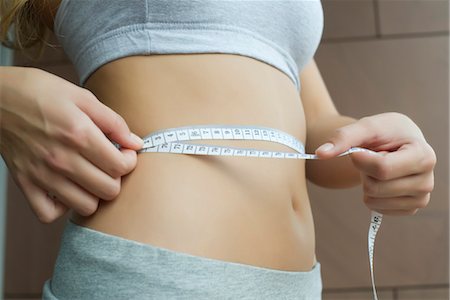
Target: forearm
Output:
[(335, 172), (4, 82), (8, 79), (5, 98), (12, 100), (11, 78)]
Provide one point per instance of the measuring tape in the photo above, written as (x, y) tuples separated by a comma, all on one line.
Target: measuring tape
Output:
[(172, 140)]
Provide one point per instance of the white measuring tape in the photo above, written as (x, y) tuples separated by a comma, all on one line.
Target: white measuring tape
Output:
[(172, 141)]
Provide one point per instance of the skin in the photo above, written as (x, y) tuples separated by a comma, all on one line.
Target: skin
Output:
[(47, 151), (223, 207)]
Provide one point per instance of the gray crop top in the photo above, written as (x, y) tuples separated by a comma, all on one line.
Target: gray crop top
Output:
[(284, 34)]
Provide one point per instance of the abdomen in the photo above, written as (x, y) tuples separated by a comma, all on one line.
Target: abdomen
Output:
[(244, 209)]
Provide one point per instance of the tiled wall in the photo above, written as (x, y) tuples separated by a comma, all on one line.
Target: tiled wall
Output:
[(376, 56)]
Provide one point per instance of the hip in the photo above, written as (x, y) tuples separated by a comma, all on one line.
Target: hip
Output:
[(95, 265)]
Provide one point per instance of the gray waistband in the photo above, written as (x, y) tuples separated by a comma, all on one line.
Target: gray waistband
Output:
[(95, 265)]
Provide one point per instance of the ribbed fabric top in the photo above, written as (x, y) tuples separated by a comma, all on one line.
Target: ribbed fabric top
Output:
[(284, 34)]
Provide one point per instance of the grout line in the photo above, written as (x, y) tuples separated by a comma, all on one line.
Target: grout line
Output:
[(22, 296), (395, 294), (376, 12), (386, 288), (415, 34), (385, 37)]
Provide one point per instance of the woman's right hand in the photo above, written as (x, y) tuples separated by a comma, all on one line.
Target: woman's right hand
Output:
[(54, 138)]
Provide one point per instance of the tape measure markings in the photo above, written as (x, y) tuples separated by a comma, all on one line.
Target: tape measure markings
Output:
[(375, 223), (222, 132), (174, 140)]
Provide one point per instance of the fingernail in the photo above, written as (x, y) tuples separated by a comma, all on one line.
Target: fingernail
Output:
[(129, 154), (325, 147), (136, 139)]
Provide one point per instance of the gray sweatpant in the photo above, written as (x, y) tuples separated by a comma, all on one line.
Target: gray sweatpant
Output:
[(95, 265)]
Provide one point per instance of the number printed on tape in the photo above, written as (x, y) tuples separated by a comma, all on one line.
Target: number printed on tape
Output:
[(174, 140)]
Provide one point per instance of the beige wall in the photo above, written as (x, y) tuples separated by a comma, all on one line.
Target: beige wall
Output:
[(379, 56), (376, 56)]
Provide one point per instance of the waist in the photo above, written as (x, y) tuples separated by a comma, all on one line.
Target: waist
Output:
[(222, 207), (162, 91)]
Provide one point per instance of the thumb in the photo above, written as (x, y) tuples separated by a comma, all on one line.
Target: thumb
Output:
[(110, 123), (352, 135)]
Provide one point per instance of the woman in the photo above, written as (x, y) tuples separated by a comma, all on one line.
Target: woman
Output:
[(172, 226)]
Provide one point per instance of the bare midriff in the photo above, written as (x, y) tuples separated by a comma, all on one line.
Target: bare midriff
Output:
[(248, 210)]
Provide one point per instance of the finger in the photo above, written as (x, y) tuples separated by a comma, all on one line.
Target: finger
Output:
[(415, 157), (66, 191), (383, 153), (398, 212), (345, 137), (70, 164), (397, 203), (412, 185), (45, 208), (407, 160), (110, 122), (95, 146)]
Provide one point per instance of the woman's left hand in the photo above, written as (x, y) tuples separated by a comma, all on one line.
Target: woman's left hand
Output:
[(399, 181)]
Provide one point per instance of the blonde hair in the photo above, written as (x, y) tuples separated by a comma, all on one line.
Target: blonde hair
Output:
[(29, 30)]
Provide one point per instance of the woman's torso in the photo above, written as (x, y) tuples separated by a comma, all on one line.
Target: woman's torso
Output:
[(249, 210)]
